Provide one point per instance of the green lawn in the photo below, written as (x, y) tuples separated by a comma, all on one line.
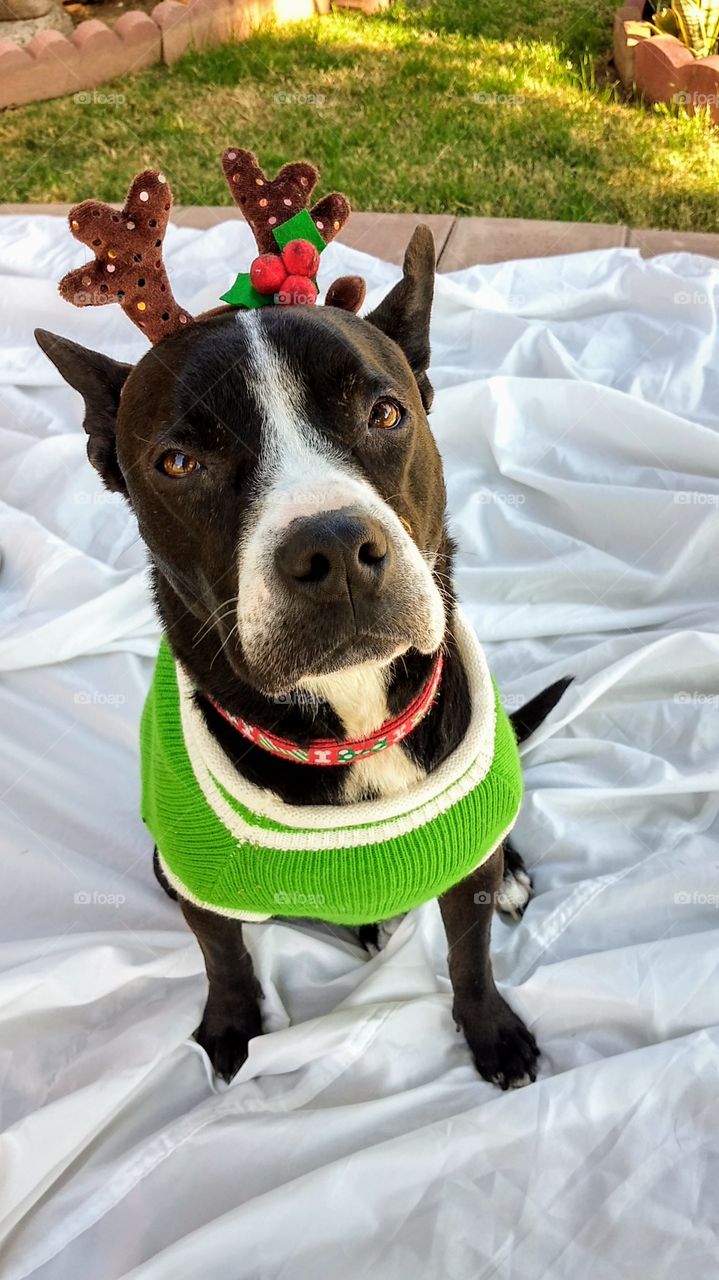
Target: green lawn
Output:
[(457, 106)]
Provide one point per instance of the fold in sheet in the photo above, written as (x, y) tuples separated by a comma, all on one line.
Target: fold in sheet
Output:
[(577, 413)]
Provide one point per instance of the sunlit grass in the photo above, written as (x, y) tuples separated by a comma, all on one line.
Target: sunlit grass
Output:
[(489, 109)]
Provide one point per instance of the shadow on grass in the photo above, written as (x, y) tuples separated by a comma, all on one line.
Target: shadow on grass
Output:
[(579, 30), (399, 118)]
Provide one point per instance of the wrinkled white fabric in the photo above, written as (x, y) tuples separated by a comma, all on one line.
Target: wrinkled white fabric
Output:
[(577, 413)]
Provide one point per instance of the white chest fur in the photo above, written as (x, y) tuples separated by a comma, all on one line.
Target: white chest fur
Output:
[(359, 698)]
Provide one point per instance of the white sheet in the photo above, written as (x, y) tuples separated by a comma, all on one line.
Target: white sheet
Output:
[(577, 411)]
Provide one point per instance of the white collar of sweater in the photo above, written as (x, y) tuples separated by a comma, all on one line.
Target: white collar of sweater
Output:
[(333, 826)]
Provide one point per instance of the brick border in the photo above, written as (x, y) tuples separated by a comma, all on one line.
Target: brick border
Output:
[(53, 65), (661, 68), (629, 29)]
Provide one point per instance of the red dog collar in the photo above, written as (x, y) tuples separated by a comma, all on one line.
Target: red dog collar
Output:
[(328, 751)]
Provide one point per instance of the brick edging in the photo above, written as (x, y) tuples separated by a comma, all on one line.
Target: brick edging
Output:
[(53, 65), (661, 68)]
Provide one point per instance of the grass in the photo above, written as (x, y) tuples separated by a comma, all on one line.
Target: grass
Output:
[(449, 106)]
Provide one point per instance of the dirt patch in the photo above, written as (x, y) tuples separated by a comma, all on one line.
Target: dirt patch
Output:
[(108, 10)]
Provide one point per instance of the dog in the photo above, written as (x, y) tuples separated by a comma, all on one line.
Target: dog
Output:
[(287, 485)]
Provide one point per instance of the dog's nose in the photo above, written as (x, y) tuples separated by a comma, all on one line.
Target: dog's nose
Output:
[(326, 555)]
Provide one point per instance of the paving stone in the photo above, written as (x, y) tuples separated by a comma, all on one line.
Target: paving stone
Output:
[(474, 240), (461, 242), (386, 235), (383, 234), (650, 242)]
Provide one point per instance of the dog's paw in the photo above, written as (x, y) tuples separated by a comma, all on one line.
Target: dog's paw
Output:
[(514, 893), (504, 1050), (225, 1044), (374, 937), (516, 889)]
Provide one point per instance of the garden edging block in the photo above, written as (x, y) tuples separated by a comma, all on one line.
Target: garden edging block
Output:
[(629, 29), (53, 65), (660, 67), (49, 67), (702, 86), (367, 6)]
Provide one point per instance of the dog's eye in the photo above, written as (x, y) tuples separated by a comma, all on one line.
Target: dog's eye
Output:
[(385, 413), (175, 464)]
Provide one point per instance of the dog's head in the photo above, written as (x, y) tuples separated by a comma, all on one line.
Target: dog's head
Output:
[(284, 476)]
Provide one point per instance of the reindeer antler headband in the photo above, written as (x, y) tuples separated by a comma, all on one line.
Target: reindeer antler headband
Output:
[(127, 244)]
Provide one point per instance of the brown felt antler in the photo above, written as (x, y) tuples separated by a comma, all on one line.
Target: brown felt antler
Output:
[(268, 202), (128, 250), (128, 266)]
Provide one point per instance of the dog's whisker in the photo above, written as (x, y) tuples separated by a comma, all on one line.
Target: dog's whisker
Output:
[(224, 642), (231, 600), (228, 605), (208, 626)]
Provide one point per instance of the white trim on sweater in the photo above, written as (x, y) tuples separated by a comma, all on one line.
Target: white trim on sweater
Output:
[(366, 822)]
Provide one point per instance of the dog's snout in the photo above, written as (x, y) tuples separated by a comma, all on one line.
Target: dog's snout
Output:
[(330, 554)]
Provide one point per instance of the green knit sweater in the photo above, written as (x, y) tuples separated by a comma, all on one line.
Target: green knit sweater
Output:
[(239, 850)]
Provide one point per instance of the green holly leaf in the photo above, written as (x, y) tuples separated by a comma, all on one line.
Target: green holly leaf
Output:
[(301, 227), (244, 294)]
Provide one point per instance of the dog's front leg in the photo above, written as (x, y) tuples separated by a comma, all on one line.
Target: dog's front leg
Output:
[(504, 1051), (232, 1013)]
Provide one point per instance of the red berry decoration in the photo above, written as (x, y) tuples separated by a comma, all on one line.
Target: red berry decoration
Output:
[(297, 290), (301, 258), (268, 273)]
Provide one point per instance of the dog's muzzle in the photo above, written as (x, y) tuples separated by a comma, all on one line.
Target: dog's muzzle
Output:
[(333, 589)]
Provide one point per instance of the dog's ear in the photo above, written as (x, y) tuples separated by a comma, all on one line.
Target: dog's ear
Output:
[(404, 314), (99, 381)]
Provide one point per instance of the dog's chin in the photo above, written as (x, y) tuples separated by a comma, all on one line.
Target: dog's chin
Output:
[(355, 652)]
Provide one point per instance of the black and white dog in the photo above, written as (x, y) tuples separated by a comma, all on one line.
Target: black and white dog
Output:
[(286, 482)]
